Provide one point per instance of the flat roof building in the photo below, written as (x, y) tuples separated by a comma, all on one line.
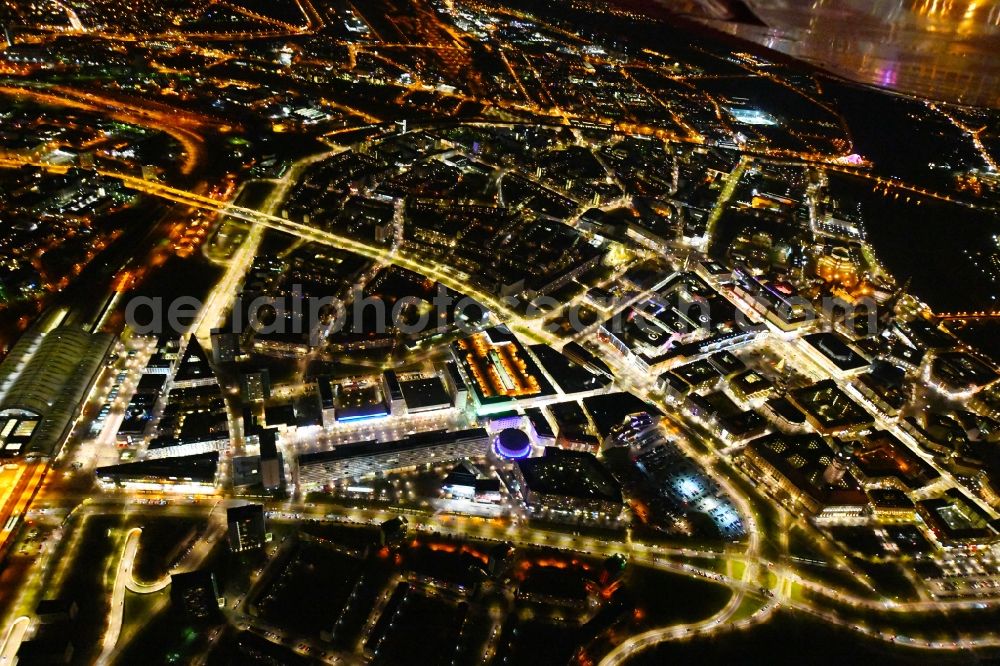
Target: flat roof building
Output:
[(956, 520), (457, 388), (194, 368), (835, 354), (891, 504), (46, 648), (829, 410), (425, 394), (56, 611), (498, 369), (361, 459), (882, 461), (796, 466), (197, 470), (272, 472), (565, 484), (356, 400), (751, 385), (777, 302), (393, 393)]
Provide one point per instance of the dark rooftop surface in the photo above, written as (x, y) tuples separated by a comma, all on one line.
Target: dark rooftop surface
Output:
[(201, 467), (194, 364), (609, 410), (835, 349), (802, 459), (571, 474), (368, 448), (424, 393), (830, 406), (569, 376)]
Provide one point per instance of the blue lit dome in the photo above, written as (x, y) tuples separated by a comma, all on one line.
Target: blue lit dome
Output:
[(512, 443)]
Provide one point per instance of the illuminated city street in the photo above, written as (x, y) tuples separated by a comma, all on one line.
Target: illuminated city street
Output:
[(439, 331)]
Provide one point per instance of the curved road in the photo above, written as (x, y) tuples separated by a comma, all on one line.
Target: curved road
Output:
[(122, 579), (12, 641), (125, 581)]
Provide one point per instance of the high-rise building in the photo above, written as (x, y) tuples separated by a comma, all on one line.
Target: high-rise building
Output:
[(457, 387), (271, 468), (499, 558), (393, 393), (195, 593), (246, 527), (56, 611), (225, 346), (612, 570), (255, 385)]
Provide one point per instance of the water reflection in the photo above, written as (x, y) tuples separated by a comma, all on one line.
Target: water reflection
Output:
[(946, 49)]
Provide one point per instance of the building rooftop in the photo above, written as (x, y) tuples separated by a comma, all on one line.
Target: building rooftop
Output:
[(829, 408), (802, 460), (194, 364), (608, 410), (569, 376), (370, 448), (889, 498), (836, 350), (881, 456), (499, 367), (424, 393), (572, 474), (697, 373), (200, 468), (726, 362), (962, 371), (784, 409), (463, 474), (751, 382), (46, 377), (244, 512), (358, 401), (955, 517), (267, 438), (279, 415), (538, 421)]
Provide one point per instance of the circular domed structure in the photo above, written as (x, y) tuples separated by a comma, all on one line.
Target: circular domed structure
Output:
[(512, 443)]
